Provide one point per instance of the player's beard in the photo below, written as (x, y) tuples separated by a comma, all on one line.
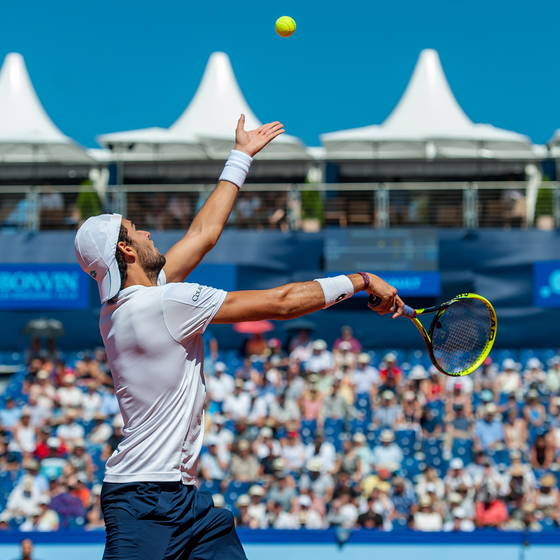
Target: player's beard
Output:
[(152, 262)]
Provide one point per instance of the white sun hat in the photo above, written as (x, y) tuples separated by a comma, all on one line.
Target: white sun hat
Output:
[(95, 245)]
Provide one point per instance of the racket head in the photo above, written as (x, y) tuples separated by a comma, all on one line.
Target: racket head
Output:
[(462, 334)]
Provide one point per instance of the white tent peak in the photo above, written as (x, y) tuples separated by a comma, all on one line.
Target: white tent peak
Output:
[(21, 114), (26, 131), (217, 103), (207, 125), (427, 122), (428, 104)]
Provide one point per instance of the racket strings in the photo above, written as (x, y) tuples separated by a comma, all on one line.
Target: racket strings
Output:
[(460, 335)]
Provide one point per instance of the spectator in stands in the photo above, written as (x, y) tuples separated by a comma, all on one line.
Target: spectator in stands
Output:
[(307, 518), (279, 517), (456, 476), (509, 380), (31, 469), (282, 490), (533, 376), (70, 431), (430, 477), (489, 430), (390, 369), (244, 465), (257, 508), (403, 498), (347, 335), (542, 451), (515, 430), (52, 466), (430, 423), (316, 480), (370, 518), (547, 497), (24, 434), (237, 404), (109, 403), (388, 453), (389, 413), (534, 411), (524, 519), (322, 450), (490, 511), (220, 385), (458, 426), (101, 431), (321, 358), (243, 519), (94, 515), (335, 405), (459, 521), (69, 395), (553, 376), (68, 507), (457, 399), (426, 519), (81, 461), (343, 512), (44, 519), (91, 401), (364, 376), (23, 500), (411, 411), (211, 466), (9, 414)]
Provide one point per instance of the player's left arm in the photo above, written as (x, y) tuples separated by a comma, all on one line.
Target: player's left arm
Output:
[(208, 224)]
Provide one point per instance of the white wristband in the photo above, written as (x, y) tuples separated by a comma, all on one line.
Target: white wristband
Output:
[(336, 289), (236, 168)]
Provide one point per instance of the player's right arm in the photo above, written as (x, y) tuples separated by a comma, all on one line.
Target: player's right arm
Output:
[(297, 299)]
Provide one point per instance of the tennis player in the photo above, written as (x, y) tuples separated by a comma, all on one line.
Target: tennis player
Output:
[(152, 323)]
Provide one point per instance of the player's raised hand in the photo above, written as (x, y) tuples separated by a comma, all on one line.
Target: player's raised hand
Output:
[(253, 141)]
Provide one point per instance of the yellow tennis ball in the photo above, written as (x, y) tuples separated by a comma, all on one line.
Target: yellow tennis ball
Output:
[(285, 26)]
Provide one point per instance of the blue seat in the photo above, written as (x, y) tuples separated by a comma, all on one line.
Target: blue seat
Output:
[(211, 486)]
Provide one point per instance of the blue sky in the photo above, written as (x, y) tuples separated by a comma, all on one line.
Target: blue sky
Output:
[(114, 65)]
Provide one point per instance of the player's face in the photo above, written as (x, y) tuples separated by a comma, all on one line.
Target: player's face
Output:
[(151, 260)]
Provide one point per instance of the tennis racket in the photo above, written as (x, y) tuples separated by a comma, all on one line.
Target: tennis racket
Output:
[(461, 335)]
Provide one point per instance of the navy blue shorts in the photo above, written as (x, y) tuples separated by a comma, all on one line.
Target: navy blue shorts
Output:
[(166, 521)]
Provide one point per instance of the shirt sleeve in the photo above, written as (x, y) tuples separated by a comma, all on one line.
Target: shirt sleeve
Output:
[(189, 308)]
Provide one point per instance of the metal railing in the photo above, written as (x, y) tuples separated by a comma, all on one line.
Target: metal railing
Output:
[(308, 207)]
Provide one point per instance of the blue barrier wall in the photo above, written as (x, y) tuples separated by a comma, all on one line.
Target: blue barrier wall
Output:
[(303, 545), (496, 263)]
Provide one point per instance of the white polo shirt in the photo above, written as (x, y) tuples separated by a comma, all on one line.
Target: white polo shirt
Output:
[(153, 339)]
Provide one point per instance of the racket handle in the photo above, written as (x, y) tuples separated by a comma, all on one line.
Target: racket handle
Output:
[(374, 301)]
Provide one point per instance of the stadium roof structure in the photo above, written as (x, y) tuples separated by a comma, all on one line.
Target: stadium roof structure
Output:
[(206, 127), (428, 123), (27, 134)]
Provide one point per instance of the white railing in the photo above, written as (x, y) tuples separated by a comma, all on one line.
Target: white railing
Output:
[(307, 207)]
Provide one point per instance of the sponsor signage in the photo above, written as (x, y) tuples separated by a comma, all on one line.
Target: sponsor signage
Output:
[(43, 286), (546, 283)]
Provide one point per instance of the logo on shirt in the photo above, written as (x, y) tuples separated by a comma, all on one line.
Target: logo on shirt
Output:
[(196, 295), (93, 274)]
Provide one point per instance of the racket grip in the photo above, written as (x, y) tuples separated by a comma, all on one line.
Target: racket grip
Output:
[(374, 301)]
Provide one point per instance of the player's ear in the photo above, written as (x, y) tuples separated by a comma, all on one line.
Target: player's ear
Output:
[(127, 251)]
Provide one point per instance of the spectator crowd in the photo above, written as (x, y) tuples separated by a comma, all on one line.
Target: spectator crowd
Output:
[(303, 435)]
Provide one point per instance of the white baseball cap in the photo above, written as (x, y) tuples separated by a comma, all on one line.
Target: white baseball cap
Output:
[(95, 245)]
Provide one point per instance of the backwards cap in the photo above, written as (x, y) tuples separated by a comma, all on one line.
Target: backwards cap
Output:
[(96, 245)]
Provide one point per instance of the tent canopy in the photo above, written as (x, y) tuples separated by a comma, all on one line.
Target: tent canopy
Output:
[(27, 134), (206, 127), (427, 123)]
